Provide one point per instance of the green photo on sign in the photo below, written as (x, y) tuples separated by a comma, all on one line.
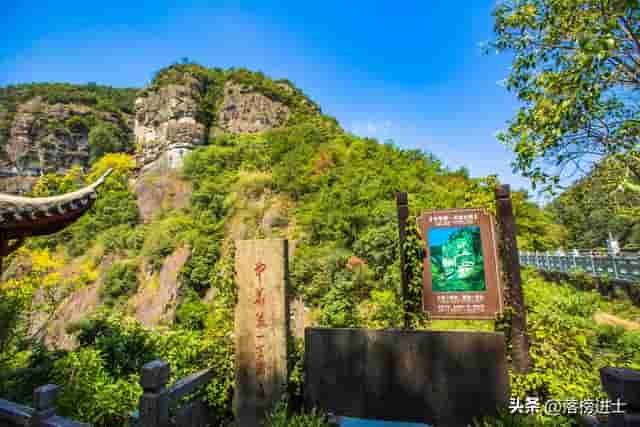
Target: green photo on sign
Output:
[(457, 264)]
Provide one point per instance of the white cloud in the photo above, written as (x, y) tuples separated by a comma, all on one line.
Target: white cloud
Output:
[(380, 129)]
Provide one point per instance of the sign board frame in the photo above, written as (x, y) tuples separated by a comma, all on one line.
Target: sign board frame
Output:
[(470, 305)]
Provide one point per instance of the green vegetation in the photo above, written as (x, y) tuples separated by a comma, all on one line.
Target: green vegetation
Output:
[(120, 281), (575, 69), (100, 99), (567, 346), (309, 181), (105, 138), (281, 418), (65, 93), (597, 205), (211, 82)]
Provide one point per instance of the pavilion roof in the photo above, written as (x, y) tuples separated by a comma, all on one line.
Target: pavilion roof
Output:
[(32, 216)]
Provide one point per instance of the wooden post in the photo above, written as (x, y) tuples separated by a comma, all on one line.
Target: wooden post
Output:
[(154, 402), (44, 404), (402, 203), (509, 249)]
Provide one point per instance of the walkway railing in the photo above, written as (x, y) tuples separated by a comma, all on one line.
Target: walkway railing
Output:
[(156, 401), (43, 414), (159, 406), (616, 267)]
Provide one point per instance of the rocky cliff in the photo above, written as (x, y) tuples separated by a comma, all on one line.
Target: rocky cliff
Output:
[(46, 128), (171, 120), (246, 110), (188, 104), (166, 124), (51, 128), (44, 132)]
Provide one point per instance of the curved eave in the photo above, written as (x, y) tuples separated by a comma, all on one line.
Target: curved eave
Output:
[(32, 216)]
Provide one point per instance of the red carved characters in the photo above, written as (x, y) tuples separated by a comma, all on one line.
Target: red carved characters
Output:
[(261, 324)]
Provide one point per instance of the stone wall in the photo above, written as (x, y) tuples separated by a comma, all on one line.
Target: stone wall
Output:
[(441, 378)]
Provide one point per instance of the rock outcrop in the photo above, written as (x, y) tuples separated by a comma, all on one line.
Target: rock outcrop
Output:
[(78, 306), (171, 119), (41, 141), (161, 192), (45, 128), (166, 124), (156, 301), (245, 110)]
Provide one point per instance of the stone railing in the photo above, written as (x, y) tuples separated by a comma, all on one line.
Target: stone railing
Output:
[(43, 414), (156, 400), (158, 407), (616, 267)]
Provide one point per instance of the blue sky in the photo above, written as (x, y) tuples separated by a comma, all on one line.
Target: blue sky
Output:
[(408, 71)]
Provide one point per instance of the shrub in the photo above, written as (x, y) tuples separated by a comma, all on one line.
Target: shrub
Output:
[(77, 124), (123, 238), (116, 205), (253, 184), (88, 393), (123, 344), (566, 346), (121, 280), (106, 138), (281, 417), (164, 236), (192, 312), (338, 306), (196, 273)]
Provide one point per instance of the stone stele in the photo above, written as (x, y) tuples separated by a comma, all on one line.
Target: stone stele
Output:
[(260, 328)]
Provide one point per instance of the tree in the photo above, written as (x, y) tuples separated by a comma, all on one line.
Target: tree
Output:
[(601, 202), (537, 230), (576, 68), (105, 138)]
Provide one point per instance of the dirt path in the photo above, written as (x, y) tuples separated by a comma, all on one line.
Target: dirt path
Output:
[(610, 319)]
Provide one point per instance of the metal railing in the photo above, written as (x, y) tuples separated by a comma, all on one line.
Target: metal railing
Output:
[(620, 267)]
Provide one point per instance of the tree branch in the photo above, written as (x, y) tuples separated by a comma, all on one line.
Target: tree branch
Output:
[(627, 29)]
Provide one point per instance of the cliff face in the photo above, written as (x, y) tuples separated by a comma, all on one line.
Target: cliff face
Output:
[(166, 124), (245, 110), (49, 128), (40, 143), (173, 118), (40, 134), (45, 128)]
